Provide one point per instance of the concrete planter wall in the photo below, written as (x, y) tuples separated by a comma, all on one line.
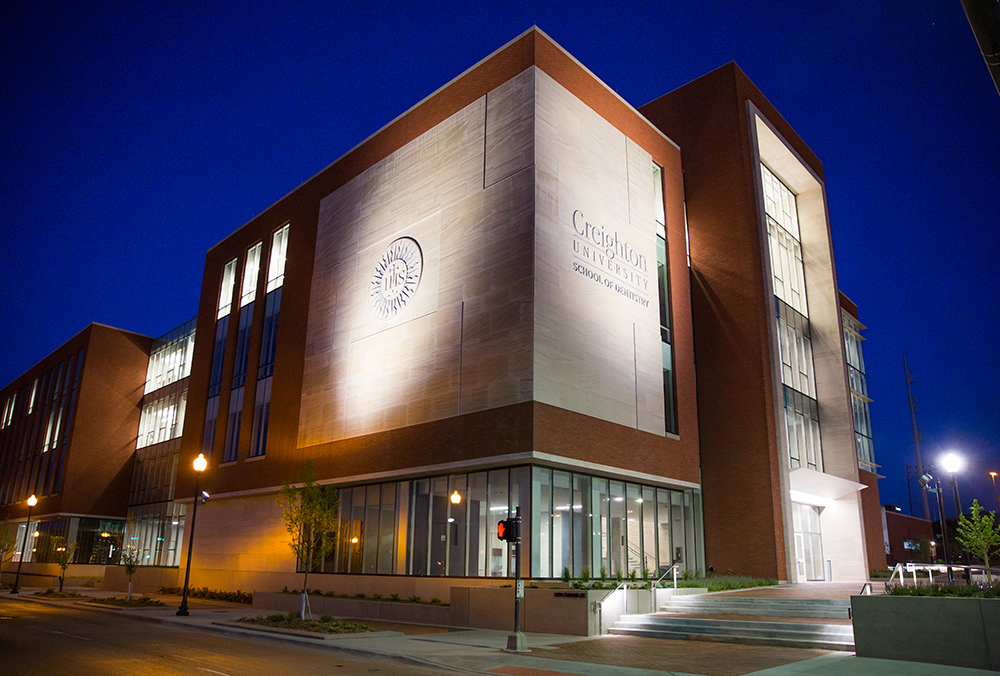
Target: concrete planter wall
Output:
[(955, 631), (573, 612), (35, 574)]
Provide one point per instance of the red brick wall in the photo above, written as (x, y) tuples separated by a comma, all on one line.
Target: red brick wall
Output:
[(871, 512)]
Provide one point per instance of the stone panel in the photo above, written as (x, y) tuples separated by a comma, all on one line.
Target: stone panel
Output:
[(596, 314), (469, 321)]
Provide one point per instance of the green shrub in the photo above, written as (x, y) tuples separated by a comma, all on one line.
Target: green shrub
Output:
[(359, 595), (293, 614), (393, 597), (326, 618), (330, 594), (377, 597), (414, 599), (566, 575), (724, 582), (585, 575), (604, 574), (237, 596), (435, 601), (985, 591)]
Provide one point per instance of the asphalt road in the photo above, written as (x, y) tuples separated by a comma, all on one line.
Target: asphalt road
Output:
[(38, 639)]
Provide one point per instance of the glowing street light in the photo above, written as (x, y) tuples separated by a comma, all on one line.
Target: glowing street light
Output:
[(993, 475), (456, 498), (953, 464), (32, 501), (199, 464)]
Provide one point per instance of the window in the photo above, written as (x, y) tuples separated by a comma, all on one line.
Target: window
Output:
[(276, 263), (787, 270), (250, 271), (663, 286), (233, 425), (226, 289), (261, 418)]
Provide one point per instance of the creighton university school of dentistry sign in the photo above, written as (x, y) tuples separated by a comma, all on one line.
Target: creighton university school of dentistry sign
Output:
[(396, 277), (602, 256)]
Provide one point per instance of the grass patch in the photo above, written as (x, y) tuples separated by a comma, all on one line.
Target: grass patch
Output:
[(53, 594), (122, 602), (238, 596), (723, 582), (974, 591), (324, 625)]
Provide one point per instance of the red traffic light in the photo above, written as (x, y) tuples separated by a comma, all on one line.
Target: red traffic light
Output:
[(509, 530), (502, 529)]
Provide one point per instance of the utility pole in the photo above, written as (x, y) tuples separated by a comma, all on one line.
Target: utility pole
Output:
[(916, 436)]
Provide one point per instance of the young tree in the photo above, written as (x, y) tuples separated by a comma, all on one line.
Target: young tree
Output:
[(978, 534), (130, 556), (63, 555), (8, 540), (310, 515)]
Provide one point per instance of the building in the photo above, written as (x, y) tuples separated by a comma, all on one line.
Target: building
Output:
[(502, 295), (67, 436)]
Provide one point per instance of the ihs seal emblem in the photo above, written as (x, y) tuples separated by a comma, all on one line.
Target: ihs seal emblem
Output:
[(396, 277)]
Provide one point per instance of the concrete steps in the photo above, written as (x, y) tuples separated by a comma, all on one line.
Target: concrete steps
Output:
[(722, 604), (790, 634)]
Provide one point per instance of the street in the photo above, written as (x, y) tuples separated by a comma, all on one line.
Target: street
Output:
[(37, 638)]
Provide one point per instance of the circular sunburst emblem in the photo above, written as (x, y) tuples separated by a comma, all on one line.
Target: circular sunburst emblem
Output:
[(396, 277)]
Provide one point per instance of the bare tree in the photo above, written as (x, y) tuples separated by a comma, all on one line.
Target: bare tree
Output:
[(130, 555)]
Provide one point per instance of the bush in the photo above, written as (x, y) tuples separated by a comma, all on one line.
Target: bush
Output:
[(359, 595), (565, 575), (724, 582), (325, 624), (985, 591), (122, 602), (414, 599), (435, 601), (393, 597), (377, 597), (237, 596), (585, 576)]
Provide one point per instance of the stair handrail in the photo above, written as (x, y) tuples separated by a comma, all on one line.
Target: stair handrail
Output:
[(866, 590), (671, 569), (599, 606), (898, 568)]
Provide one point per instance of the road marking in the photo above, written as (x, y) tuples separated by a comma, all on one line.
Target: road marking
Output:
[(213, 671), (63, 633)]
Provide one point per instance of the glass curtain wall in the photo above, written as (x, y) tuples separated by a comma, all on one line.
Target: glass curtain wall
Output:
[(571, 523), (859, 393), (792, 314)]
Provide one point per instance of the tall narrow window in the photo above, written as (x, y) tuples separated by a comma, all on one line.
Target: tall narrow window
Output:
[(247, 294), (792, 316), (261, 416), (233, 425), (663, 288), (268, 342)]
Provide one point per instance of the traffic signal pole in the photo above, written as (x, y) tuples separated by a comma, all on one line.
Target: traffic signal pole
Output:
[(516, 642)]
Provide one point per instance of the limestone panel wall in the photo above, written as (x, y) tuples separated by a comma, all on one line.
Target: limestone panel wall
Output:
[(597, 344), (463, 193)]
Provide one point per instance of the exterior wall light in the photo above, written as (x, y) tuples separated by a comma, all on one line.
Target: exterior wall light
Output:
[(456, 498)]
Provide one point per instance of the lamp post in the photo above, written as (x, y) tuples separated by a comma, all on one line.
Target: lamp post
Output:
[(925, 481), (993, 475), (200, 463), (32, 501)]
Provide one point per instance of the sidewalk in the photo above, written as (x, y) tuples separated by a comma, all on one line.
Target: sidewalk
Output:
[(481, 650)]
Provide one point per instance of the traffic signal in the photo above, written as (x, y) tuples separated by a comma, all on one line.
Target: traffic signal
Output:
[(509, 530)]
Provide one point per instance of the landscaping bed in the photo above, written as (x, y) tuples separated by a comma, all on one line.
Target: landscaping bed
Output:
[(324, 625), (122, 602)]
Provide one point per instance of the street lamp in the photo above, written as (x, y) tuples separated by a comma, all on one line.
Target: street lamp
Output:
[(32, 501), (995, 497), (925, 482), (953, 464), (200, 463)]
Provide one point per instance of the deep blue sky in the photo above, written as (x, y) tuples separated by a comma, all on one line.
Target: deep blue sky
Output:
[(137, 135)]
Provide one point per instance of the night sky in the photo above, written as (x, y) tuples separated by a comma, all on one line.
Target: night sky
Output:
[(138, 135)]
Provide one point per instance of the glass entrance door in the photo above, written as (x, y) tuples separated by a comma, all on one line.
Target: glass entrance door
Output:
[(808, 542)]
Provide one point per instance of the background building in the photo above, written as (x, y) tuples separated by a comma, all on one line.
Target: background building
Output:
[(68, 437)]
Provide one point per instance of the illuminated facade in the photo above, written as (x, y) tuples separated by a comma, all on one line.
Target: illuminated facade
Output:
[(498, 296)]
